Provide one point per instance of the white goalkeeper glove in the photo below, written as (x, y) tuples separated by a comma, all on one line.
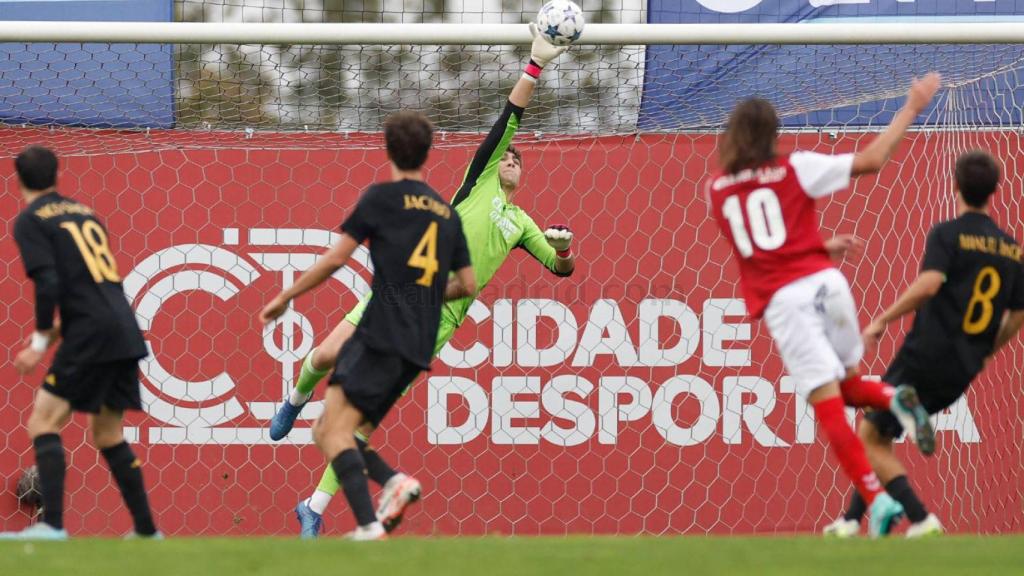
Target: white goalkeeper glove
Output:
[(559, 237), (542, 52)]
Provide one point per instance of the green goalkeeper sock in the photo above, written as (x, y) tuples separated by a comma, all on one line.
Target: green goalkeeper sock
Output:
[(309, 377), (329, 482)]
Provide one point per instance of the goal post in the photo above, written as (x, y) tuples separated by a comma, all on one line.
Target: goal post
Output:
[(632, 397), (497, 34)]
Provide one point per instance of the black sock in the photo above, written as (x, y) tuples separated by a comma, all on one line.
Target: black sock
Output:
[(376, 468), (899, 488), (127, 471), (50, 462), (351, 472), (857, 507)]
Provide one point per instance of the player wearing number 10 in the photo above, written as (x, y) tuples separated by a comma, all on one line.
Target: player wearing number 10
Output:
[(971, 279), (67, 254), (764, 204)]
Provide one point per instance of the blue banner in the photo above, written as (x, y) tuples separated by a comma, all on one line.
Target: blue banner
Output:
[(96, 85), (696, 86)]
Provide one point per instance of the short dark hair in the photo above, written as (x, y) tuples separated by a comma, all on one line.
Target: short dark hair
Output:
[(516, 154), (977, 175), (408, 136), (750, 136), (37, 168)]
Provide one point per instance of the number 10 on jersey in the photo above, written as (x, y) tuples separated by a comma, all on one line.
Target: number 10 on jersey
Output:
[(763, 212)]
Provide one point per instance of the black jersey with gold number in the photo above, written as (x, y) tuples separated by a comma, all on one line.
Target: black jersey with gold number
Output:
[(956, 329), (57, 234), (415, 240)]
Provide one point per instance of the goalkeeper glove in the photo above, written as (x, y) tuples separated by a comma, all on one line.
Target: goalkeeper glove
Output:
[(542, 52), (559, 237)]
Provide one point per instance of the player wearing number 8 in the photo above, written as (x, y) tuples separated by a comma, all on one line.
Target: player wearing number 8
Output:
[(67, 254), (764, 204), (969, 299)]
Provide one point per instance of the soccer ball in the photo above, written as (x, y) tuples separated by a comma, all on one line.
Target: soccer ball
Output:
[(28, 491), (560, 22)]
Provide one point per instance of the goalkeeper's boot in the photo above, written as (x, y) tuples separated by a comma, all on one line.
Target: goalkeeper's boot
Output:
[(309, 521), (913, 417), (399, 493), (284, 419), (930, 526), (368, 533), (842, 528), (39, 531), (885, 513)]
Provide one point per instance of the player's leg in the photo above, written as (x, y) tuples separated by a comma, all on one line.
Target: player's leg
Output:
[(399, 490), (50, 414), (117, 384), (107, 427), (803, 318), (877, 430), (334, 435), (315, 367)]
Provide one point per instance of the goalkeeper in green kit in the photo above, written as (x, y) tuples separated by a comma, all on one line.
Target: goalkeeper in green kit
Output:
[(493, 226)]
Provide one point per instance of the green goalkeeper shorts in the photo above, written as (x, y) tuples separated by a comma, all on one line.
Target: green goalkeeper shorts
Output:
[(445, 330)]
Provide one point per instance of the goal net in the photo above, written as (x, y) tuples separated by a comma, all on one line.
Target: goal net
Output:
[(632, 397)]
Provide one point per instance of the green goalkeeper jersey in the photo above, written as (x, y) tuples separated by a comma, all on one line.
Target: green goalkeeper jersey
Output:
[(493, 226)]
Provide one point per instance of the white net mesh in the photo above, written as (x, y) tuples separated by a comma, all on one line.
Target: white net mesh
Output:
[(632, 397)]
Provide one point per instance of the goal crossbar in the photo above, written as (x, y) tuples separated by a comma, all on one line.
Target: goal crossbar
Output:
[(510, 34)]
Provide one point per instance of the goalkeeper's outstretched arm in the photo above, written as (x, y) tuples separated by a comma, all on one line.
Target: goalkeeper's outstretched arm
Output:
[(496, 143)]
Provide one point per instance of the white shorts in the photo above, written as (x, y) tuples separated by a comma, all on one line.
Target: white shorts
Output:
[(813, 321)]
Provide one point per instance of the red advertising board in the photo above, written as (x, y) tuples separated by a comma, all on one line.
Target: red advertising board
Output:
[(633, 397)]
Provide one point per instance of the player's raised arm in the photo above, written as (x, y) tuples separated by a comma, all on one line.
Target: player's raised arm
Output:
[(490, 152), (872, 158)]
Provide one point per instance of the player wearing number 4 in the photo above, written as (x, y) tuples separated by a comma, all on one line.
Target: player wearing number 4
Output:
[(764, 204), (970, 278), (494, 226), (96, 369), (415, 240)]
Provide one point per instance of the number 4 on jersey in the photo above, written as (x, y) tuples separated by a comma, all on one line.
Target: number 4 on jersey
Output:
[(765, 216), (424, 256)]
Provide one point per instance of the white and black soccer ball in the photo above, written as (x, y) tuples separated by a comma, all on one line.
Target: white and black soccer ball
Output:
[(28, 489), (560, 22)]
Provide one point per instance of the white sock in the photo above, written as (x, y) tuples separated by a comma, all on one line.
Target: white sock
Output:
[(318, 501), (297, 398)]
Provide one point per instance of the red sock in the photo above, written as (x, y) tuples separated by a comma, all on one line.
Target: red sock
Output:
[(847, 447), (861, 393)]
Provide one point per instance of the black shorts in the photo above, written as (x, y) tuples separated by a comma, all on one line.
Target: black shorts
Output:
[(938, 388), (88, 387), (372, 381)]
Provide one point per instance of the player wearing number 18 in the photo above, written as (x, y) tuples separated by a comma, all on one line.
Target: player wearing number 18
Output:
[(969, 299), (67, 255), (764, 204), (416, 239)]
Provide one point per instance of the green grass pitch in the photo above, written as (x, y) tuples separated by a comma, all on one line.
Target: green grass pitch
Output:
[(497, 556)]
